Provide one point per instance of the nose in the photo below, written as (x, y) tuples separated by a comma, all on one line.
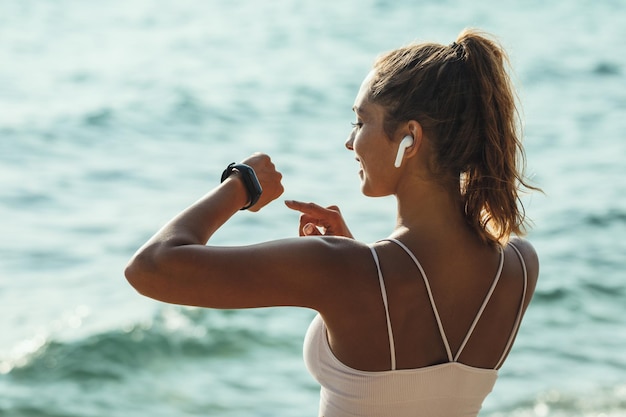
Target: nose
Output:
[(350, 141)]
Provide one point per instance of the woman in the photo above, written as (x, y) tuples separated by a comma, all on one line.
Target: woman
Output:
[(414, 325)]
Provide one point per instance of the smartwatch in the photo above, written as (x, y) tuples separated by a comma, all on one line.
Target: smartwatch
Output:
[(250, 181)]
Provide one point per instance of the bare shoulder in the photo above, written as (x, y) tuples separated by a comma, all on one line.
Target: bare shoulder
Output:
[(531, 260), (343, 257), (528, 252), (332, 251), (341, 268)]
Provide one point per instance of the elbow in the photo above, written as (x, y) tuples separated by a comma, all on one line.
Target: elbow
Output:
[(132, 274), (139, 273)]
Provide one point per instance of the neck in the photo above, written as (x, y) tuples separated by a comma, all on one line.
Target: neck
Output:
[(432, 210)]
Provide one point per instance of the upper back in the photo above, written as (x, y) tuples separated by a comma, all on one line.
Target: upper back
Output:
[(459, 281)]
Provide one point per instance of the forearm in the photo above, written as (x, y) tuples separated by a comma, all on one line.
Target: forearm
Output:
[(176, 256), (156, 259), (197, 223)]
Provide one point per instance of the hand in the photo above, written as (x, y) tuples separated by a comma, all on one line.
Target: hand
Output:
[(268, 177), (315, 217)]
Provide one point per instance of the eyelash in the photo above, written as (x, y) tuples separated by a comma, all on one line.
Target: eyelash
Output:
[(356, 125)]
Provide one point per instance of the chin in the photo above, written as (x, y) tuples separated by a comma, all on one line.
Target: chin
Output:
[(369, 192)]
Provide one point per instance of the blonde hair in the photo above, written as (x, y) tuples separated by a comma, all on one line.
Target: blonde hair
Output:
[(462, 96)]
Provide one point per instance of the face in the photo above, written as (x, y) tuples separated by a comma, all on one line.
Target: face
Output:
[(374, 151)]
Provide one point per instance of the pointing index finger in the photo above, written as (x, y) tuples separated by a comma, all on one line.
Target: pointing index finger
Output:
[(307, 208)]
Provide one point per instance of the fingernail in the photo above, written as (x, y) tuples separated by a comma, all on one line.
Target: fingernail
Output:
[(308, 228)]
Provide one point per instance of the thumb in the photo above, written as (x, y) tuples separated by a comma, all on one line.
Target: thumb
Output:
[(309, 229)]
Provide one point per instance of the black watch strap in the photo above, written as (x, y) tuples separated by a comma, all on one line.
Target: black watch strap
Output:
[(250, 181)]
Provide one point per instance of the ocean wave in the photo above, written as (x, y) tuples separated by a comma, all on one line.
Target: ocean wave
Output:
[(175, 334), (551, 295), (605, 68), (608, 218), (606, 402)]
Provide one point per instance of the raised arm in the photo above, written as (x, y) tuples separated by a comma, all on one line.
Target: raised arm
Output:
[(176, 266)]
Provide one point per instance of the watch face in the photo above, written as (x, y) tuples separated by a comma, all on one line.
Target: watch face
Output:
[(251, 182), (255, 182)]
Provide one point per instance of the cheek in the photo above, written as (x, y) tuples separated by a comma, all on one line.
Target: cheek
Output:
[(372, 154), (362, 144)]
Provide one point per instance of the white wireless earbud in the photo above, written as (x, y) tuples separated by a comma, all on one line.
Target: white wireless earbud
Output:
[(404, 143)]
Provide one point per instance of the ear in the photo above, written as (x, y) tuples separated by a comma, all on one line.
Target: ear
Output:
[(414, 129)]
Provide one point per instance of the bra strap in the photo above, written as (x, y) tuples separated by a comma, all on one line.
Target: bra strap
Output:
[(430, 295), (383, 291), (482, 307), (521, 308)]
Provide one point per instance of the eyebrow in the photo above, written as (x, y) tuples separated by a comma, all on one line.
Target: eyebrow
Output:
[(359, 109)]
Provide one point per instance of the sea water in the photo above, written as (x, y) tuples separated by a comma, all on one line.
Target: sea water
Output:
[(116, 115)]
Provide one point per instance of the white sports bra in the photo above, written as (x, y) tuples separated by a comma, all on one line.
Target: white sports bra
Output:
[(450, 389)]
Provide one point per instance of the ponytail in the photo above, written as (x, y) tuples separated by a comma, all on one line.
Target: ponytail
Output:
[(462, 96)]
